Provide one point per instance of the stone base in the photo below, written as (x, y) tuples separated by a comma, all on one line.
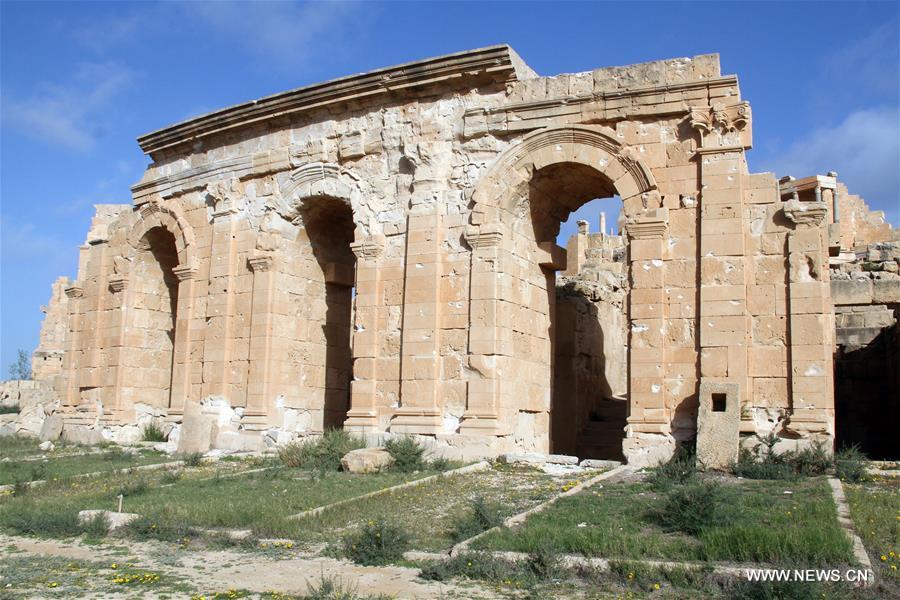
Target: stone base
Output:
[(648, 449)]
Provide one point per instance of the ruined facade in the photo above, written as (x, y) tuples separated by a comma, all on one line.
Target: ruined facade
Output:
[(378, 253)]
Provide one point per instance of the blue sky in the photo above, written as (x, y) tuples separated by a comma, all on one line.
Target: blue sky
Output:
[(80, 81)]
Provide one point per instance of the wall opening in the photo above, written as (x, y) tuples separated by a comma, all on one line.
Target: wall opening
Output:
[(329, 226), (718, 402), (149, 363), (586, 302)]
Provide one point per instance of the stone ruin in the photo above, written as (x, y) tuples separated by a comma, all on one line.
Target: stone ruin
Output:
[(378, 253)]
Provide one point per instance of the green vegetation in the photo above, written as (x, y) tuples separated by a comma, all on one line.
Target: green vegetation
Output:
[(407, 454), (431, 511), (67, 466), (875, 510), (193, 459), (480, 516), (9, 410), (850, 465), (376, 543), (154, 433), (756, 522), (692, 508), (323, 454), (21, 368), (763, 462), (680, 469)]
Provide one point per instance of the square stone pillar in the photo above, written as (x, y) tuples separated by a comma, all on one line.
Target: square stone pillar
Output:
[(488, 342), (261, 377), (369, 319), (420, 367), (182, 368), (71, 359), (811, 321), (647, 317)]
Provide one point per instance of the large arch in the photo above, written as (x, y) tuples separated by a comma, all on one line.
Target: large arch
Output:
[(506, 383)]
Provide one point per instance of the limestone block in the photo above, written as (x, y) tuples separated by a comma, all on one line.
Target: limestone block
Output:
[(885, 291), (367, 460), (52, 428), (718, 424), (80, 434), (196, 434), (46, 446), (240, 442), (851, 292), (115, 520)]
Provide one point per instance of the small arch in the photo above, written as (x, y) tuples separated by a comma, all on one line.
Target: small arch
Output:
[(154, 214)]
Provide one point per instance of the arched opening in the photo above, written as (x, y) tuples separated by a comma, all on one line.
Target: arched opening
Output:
[(329, 228), (152, 324), (586, 340)]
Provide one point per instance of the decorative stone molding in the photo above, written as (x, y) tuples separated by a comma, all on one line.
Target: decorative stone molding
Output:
[(369, 247), (117, 283), (488, 235), (184, 272), (74, 291), (260, 263), (805, 214), (225, 196), (653, 224)]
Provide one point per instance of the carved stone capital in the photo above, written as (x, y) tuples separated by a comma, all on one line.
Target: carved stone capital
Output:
[(370, 247), (261, 262), (117, 283), (722, 125), (652, 224), (74, 291), (225, 196), (185, 272), (805, 214), (487, 235)]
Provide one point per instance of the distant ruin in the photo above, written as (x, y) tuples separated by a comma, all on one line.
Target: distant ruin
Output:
[(379, 253)]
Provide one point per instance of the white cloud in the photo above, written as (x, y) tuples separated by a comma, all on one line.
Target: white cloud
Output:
[(865, 151), (69, 114), (102, 34), (286, 33), (24, 242)]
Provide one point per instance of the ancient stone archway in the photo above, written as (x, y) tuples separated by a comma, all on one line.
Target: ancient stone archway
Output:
[(502, 250)]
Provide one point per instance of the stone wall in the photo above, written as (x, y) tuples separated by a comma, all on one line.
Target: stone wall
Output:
[(436, 189)]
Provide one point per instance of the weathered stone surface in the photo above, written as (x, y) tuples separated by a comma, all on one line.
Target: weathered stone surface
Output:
[(114, 519), (437, 189), (52, 428), (367, 460), (46, 446), (718, 425), (240, 442), (592, 463), (197, 434), (81, 434)]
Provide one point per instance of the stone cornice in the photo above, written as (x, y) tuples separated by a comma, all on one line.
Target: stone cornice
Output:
[(499, 62), (488, 235), (810, 214), (674, 98), (653, 224), (261, 262), (369, 248)]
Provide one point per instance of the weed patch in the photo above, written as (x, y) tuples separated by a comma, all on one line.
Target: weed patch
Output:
[(479, 516), (376, 543), (193, 459), (323, 454), (691, 508), (679, 470), (850, 465), (154, 433), (407, 454)]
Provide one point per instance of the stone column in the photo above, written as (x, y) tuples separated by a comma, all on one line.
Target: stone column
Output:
[(811, 320), (180, 391), (369, 318), (261, 377), (419, 410), (118, 285), (488, 341)]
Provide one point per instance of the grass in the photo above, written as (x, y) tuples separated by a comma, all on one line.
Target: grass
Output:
[(67, 466), (430, 512), (875, 510), (15, 446), (376, 543), (760, 523), (321, 454), (9, 410), (407, 454)]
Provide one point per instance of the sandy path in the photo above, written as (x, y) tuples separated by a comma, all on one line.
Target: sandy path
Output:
[(221, 570)]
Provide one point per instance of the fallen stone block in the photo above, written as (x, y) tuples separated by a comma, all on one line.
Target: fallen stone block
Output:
[(593, 463), (367, 460), (46, 446), (115, 520), (52, 428)]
